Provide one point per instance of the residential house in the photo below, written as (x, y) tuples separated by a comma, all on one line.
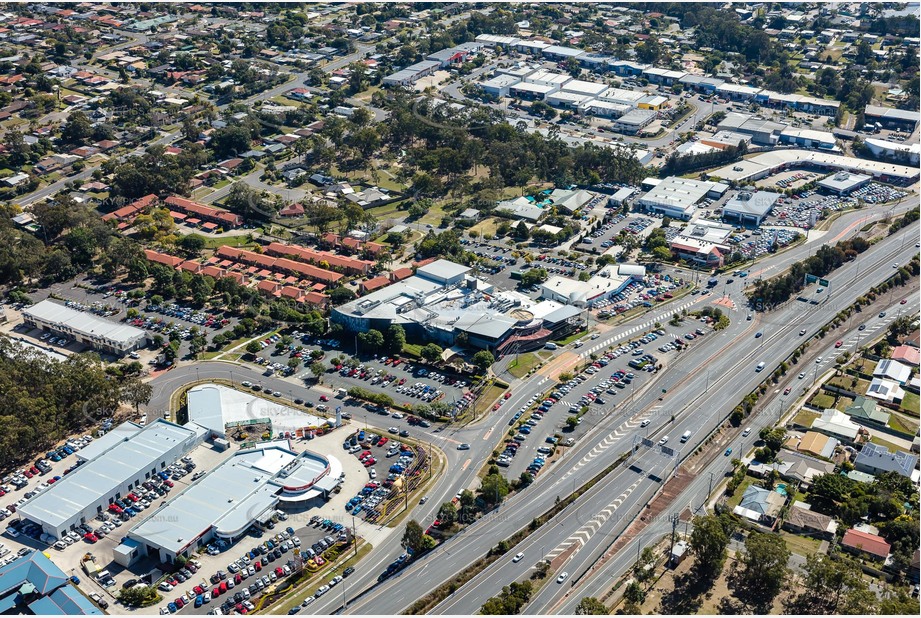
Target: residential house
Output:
[(875, 459), (818, 444), (837, 425), (859, 542), (801, 520), (760, 505), (865, 411), (907, 355), (892, 370), (885, 390)]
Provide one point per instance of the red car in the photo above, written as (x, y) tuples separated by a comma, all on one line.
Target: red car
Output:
[(383, 441), (838, 344), (168, 483), (179, 602), (216, 592), (28, 474), (223, 587), (90, 537), (35, 471), (903, 301), (258, 565), (324, 398), (279, 571), (198, 590), (508, 394), (370, 462), (237, 578), (787, 390)]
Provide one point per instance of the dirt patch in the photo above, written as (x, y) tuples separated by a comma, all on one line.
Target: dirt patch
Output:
[(673, 593)]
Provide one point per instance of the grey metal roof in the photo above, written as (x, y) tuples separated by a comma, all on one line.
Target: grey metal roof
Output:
[(100, 445), (99, 478), (84, 323), (758, 203), (442, 269), (230, 498)]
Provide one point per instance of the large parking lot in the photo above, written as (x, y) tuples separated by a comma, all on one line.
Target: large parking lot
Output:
[(805, 207), (604, 387)]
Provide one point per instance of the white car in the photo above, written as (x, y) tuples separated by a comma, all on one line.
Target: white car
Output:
[(562, 577), (518, 557)]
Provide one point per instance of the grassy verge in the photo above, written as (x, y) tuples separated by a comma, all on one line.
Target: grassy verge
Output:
[(294, 598), (520, 366), (426, 603), (485, 401), (412, 349), (571, 338)]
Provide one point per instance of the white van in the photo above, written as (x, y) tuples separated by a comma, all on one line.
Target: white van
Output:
[(686, 436), (341, 392), (760, 367)]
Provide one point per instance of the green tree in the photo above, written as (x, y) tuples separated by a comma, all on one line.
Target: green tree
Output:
[(831, 586), (136, 392), (493, 489), (412, 537), (192, 244), (590, 606), (708, 545), (317, 369), (431, 352), (764, 570), (447, 515), (340, 295), (372, 340), (394, 339), (253, 347), (483, 360)]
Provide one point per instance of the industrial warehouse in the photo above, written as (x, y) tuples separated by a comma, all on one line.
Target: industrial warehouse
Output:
[(93, 486), (95, 332)]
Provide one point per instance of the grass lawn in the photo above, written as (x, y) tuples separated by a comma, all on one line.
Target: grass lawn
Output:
[(230, 241), (843, 403), (571, 338), (433, 216), (486, 400), (899, 424), (736, 498), (412, 349), (805, 417), (822, 400), (486, 226), (385, 211), (880, 441), (910, 404), (802, 545), (520, 366)]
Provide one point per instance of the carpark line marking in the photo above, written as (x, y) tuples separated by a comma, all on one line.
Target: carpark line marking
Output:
[(466, 463)]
